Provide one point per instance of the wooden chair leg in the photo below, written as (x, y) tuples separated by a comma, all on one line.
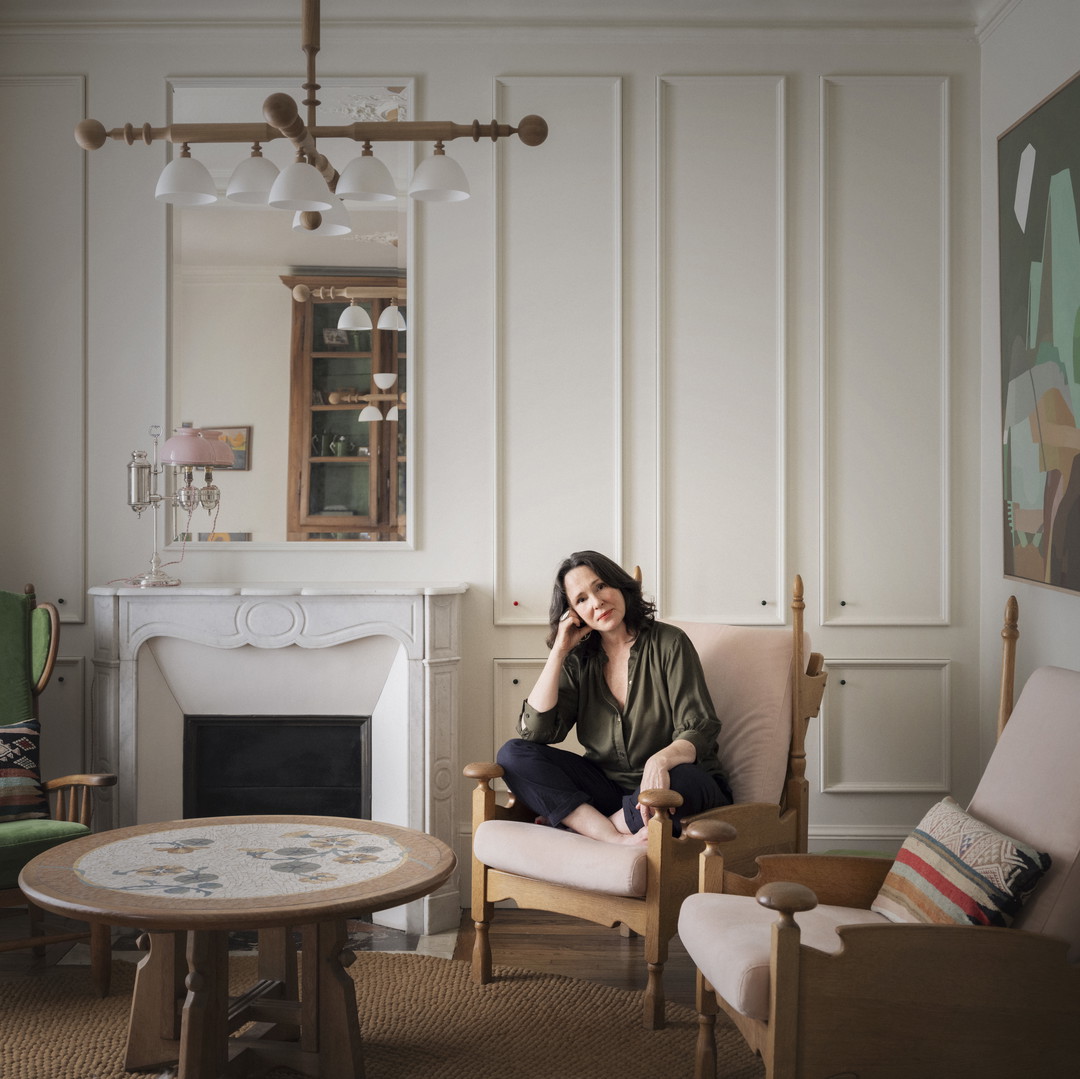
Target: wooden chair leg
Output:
[(654, 1018), (101, 957), (705, 1048), (481, 954)]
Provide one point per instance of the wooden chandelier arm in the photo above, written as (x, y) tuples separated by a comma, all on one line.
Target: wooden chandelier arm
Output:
[(92, 134)]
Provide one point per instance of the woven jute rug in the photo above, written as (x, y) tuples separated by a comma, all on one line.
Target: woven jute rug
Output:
[(421, 1018)]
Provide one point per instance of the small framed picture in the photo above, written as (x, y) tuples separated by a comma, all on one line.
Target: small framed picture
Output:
[(335, 338), (239, 440)]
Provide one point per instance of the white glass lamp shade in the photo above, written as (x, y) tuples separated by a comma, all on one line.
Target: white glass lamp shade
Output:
[(335, 221), (392, 414), (223, 453), (384, 379), (439, 179), (369, 413), (391, 318), (300, 186), (188, 447), (185, 182), (354, 317), (251, 181), (366, 179)]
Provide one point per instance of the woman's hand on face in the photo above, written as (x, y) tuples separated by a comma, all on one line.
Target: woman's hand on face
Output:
[(571, 632)]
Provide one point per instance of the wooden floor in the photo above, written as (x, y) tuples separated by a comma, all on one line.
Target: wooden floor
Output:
[(537, 940), (530, 940)]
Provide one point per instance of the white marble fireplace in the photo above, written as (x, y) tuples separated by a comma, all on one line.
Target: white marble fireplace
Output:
[(388, 651)]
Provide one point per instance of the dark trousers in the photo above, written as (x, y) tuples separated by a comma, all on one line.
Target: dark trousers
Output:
[(553, 782)]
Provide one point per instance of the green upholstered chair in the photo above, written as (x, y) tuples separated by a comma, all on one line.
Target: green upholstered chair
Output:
[(36, 815)]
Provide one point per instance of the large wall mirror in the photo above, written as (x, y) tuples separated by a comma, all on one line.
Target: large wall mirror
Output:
[(232, 338)]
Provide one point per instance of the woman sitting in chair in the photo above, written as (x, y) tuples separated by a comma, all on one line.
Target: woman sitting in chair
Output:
[(634, 689)]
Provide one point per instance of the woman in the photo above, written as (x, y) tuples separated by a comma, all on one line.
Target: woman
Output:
[(634, 689)]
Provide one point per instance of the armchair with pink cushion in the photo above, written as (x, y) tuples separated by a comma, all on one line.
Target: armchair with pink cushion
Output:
[(765, 685), (960, 957)]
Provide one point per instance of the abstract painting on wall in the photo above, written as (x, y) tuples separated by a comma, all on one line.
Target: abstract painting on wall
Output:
[(1039, 249)]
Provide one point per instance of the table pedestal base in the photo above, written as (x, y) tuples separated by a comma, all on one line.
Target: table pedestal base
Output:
[(181, 1010)]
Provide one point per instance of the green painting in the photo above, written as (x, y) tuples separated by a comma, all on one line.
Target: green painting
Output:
[(1039, 243)]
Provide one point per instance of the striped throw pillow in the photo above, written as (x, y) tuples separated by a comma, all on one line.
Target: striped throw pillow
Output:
[(21, 796), (954, 869)]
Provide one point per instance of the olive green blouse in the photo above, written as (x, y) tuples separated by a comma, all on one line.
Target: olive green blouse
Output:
[(666, 699)]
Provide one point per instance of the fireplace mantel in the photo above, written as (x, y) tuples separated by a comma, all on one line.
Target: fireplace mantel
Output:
[(424, 620)]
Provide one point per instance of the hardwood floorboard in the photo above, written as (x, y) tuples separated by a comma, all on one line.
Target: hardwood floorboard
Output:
[(556, 943)]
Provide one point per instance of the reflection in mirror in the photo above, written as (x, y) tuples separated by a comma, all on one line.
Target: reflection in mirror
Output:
[(348, 432), (234, 336)]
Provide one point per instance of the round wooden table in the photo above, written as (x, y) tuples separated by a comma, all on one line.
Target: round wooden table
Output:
[(188, 882)]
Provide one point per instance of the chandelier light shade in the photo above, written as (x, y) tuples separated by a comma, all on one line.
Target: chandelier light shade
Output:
[(300, 186), (439, 179), (354, 317), (252, 180), (384, 379), (391, 318), (186, 182), (332, 222), (366, 179)]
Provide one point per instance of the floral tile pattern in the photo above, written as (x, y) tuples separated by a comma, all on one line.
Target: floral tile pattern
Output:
[(240, 860)]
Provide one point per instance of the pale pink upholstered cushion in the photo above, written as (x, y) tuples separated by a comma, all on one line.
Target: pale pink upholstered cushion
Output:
[(1030, 790), (748, 672), (561, 857), (729, 937)]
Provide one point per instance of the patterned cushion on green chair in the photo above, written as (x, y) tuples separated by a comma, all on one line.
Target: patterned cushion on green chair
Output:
[(21, 840)]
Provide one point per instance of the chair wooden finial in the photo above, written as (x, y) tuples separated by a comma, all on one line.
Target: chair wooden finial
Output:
[(1009, 635)]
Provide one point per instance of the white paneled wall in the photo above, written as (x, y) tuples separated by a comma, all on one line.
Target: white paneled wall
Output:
[(721, 355), (885, 349), (42, 347), (558, 357)]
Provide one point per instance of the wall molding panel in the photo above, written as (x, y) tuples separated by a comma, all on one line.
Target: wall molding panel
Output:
[(721, 347), (885, 480), (886, 727), (558, 339), (43, 312)]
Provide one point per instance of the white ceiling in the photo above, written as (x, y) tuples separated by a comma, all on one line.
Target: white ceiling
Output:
[(930, 13)]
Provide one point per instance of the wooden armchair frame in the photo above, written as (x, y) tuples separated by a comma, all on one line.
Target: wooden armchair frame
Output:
[(672, 863), (897, 1000), (70, 799)]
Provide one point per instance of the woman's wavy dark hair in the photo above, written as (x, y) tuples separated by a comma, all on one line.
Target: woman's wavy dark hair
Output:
[(640, 612)]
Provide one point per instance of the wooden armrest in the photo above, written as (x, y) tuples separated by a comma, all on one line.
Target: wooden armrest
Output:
[(836, 880), (484, 771), (711, 831), (660, 799), (786, 898), (94, 779)]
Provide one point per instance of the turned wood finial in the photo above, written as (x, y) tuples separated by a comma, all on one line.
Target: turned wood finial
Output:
[(1009, 635), (532, 130), (90, 134), (280, 111)]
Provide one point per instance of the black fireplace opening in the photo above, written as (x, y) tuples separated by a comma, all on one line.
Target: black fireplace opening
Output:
[(313, 765)]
